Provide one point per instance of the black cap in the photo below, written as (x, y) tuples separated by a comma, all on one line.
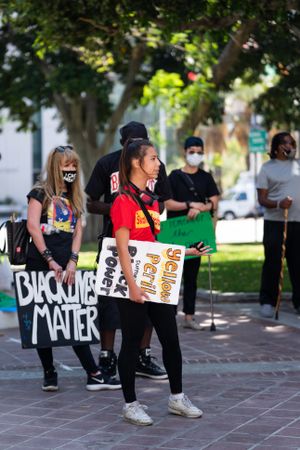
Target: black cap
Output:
[(133, 130), (193, 141)]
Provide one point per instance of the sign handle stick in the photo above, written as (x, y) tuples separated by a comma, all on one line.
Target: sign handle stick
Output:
[(212, 326)]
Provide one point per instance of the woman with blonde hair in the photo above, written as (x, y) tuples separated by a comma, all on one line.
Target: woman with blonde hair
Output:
[(55, 206)]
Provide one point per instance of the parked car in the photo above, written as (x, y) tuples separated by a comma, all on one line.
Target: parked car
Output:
[(237, 202)]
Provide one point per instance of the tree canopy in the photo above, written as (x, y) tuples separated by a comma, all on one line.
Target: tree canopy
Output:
[(71, 54)]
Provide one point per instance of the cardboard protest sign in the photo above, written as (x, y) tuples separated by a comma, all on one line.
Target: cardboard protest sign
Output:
[(181, 230), (156, 267), (54, 314)]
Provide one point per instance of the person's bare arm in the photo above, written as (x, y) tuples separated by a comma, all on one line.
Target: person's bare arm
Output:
[(98, 207), (263, 200), (69, 277), (34, 213), (136, 294)]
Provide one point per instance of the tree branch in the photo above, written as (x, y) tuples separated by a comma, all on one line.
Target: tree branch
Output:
[(227, 60), (137, 57)]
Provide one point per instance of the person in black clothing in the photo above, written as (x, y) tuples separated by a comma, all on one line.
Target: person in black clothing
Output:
[(191, 203), (104, 181), (55, 205)]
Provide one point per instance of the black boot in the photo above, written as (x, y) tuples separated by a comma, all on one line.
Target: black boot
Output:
[(147, 368), (50, 380)]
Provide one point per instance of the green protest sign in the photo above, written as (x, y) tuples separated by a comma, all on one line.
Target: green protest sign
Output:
[(182, 231)]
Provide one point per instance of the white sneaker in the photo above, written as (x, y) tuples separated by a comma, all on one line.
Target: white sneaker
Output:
[(192, 324), (135, 413), (267, 311), (184, 407)]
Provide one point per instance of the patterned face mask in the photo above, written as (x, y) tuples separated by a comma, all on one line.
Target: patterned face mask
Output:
[(69, 176)]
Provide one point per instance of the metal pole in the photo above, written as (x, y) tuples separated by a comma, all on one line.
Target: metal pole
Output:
[(212, 326)]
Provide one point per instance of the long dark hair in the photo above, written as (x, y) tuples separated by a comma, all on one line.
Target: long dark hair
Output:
[(133, 149), (277, 140)]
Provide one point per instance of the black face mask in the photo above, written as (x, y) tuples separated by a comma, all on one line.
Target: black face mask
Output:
[(69, 176), (147, 196)]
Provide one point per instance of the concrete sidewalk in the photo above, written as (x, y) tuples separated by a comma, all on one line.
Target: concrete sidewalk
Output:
[(245, 377)]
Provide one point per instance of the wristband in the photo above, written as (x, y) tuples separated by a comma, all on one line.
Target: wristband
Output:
[(188, 205), (47, 255), (278, 204), (74, 257)]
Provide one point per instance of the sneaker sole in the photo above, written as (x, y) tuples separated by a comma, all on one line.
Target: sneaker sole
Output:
[(153, 377), (181, 413), (49, 388), (103, 387), (133, 422)]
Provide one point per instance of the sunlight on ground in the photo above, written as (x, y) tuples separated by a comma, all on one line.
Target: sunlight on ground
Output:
[(276, 328), (221, 337)]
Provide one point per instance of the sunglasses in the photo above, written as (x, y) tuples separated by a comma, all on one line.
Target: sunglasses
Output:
[(62, 148)]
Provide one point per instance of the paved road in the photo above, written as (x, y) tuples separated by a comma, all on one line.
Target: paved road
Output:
[(245, 376)]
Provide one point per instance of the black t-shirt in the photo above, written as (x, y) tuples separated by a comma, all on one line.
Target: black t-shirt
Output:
[(105, 180), (204, 184), (59, 215)]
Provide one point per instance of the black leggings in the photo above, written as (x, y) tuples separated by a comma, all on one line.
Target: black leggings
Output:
[(133, 319), (190, 273), (83, 352)]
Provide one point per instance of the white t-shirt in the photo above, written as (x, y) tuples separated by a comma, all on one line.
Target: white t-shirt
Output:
[(281, 179)]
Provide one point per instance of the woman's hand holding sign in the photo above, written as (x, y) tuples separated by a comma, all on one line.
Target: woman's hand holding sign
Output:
[(136, 294)]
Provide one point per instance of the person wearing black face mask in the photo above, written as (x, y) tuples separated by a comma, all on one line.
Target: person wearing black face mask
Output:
[(278, 188), (55, 206)]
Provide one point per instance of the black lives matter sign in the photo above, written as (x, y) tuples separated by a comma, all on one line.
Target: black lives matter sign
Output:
[(54, 314)]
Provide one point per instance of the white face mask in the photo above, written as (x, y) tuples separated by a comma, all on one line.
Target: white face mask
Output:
[(290, 154), (195, 159)]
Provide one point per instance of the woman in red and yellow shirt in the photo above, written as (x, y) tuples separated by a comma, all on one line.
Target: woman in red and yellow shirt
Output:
[(139, 162)]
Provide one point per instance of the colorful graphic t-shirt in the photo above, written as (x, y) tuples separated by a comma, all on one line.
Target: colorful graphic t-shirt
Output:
[(59, 214), (125, 212)]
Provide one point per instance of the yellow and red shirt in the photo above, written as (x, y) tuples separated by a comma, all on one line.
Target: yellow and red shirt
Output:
[(126, 212)]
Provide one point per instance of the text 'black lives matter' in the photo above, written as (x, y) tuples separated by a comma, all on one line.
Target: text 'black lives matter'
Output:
[(54, 314)]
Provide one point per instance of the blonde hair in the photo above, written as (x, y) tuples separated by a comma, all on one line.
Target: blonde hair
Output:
[(52, 182)]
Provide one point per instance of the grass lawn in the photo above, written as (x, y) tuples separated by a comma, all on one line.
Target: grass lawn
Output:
[(235, 267)]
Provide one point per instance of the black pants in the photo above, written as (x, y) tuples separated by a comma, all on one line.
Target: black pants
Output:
[(190, 273), (133, 318), (83, 352), (273, 236)]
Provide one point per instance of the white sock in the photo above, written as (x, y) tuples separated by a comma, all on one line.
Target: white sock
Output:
[(176, 396), (131, 403)]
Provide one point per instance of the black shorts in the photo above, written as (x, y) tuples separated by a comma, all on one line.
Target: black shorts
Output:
[(109, 318)]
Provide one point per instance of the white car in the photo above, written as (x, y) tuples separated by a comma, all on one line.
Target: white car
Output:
[(237, 203)]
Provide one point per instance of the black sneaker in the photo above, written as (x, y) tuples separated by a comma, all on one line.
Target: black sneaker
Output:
[(147, 368), (50, 381), (101, 383), (108, 364)]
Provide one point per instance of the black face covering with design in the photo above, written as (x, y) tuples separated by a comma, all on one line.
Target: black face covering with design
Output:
[(69, 176)]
